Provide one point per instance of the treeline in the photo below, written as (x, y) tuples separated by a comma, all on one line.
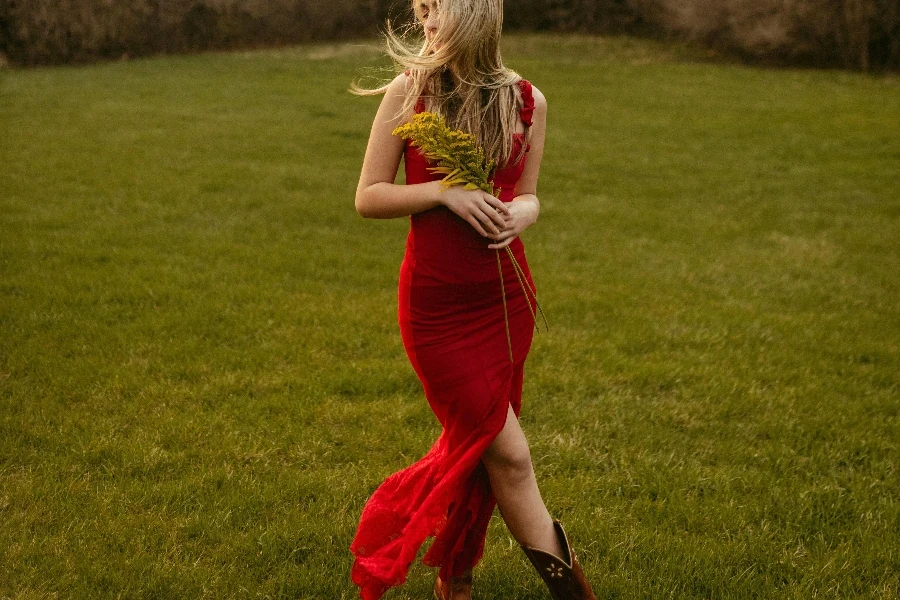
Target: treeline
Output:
[(36, 32), (854, 34)]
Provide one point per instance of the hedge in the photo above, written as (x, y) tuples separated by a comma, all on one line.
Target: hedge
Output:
[(853, 34)]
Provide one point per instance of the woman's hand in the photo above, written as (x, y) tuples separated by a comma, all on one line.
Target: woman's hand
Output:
[(487, 214), (522, 214)]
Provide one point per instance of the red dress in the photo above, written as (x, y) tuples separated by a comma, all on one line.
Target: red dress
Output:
[(451, 314)]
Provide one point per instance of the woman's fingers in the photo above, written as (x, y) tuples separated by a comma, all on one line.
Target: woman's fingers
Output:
[(495, 220), (490, 218), (503, 244), (497, 210), (489, 224), (497, 204), (512, 228), (504, 235), (474, 223), (488, 215), (493, 213)]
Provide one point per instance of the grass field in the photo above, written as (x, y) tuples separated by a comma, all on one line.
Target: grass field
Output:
[(202, 378)]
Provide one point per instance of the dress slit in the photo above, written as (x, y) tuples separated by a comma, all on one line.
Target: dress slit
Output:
[(445, 495)]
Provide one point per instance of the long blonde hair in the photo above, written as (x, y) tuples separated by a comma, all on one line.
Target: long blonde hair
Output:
[(460, 74)]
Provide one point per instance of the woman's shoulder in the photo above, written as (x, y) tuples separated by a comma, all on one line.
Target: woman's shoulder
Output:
[(401, 83), (539, 99), (530, 93), (539, 103), (399, 88), (530, 99)]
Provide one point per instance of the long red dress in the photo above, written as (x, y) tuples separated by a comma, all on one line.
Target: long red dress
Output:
[(451, 314)]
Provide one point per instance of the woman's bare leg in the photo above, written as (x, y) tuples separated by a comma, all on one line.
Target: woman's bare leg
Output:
[(508, 463)]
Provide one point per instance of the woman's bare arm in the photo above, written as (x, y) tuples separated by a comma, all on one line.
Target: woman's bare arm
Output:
[(378, 197), (525, 207)]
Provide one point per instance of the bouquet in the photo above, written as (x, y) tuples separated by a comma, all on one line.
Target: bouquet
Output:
[(457, 153), (462, 162)]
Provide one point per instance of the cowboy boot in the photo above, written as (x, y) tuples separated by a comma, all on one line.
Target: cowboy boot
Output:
[(563, 575), (458, 588)]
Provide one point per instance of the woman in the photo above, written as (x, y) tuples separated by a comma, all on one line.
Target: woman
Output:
[(466, 311)]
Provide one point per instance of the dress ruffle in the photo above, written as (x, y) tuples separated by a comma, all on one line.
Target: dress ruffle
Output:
[(527, 113), (446, 495)]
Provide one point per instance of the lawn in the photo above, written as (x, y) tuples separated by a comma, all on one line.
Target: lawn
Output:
[(202, 378)]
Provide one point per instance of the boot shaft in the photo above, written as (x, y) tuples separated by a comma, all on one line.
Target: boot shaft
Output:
[(563, 575)]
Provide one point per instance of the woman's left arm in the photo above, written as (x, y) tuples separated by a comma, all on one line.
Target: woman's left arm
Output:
[(525, 207)]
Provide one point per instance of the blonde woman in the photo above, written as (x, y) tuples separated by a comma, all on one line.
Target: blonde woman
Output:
[(466, 311)]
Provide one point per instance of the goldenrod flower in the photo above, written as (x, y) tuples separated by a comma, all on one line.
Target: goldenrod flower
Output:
[(457, 154)]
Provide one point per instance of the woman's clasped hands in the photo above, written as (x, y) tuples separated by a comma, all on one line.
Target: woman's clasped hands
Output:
[(491, 217)]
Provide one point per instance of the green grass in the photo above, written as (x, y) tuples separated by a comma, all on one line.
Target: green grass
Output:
[(202, 378)]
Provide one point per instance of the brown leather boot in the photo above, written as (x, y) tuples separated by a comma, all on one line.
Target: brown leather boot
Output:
[(458, 588), (563, 576)]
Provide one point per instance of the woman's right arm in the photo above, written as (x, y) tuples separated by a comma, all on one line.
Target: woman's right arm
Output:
[(378, 197)]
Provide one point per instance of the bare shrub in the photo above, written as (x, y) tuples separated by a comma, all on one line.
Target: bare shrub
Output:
[(55, 31), (848, 33), (600, 16), (856, 34)]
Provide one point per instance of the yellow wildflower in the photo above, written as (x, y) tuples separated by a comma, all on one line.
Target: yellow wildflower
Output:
[(457, 154)]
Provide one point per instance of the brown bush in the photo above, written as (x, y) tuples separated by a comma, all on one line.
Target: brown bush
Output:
[(58, 31), (857, 34), (600, 16)]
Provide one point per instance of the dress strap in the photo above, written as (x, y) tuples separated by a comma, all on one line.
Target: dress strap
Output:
[(527, 102)]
